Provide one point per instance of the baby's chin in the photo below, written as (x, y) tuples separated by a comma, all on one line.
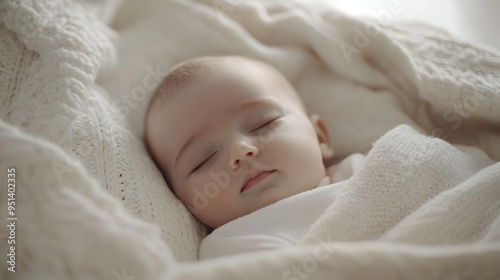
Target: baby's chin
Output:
[(274, 194)]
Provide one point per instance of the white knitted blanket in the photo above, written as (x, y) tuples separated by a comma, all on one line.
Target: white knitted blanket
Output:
[(75, 79), (418, 190)]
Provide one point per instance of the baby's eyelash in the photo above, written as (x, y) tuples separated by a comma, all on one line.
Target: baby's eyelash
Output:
[(203, 163), (262, 128), (269, 125)]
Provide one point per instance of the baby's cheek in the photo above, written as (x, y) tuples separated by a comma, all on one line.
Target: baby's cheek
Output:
[(204, 192), (296, 164)]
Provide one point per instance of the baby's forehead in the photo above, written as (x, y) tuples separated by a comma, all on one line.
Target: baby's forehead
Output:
[(224, 73), (168, 113), (228, 89), (212, 74)]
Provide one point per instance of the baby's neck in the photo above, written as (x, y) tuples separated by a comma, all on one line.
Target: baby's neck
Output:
[(328, 178)]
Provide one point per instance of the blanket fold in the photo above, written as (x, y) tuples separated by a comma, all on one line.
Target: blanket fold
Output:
[(418, 190), (75, 80)]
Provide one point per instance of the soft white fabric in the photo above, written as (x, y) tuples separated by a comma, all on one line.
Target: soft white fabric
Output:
[(418, 190), (281, 224), (393, 77), (276, 226), (432, 210), (69, 227), (53, 52), (50, 54)]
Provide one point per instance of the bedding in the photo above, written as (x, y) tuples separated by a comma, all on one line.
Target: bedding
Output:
[(90, 204), (281, 224)]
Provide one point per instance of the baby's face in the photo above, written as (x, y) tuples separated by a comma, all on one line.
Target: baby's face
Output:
[(218, 133)]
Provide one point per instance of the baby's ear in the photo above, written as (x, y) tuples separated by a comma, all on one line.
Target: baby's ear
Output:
[(323, 138)]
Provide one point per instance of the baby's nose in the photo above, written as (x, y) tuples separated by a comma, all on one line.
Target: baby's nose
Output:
[(243, 152)]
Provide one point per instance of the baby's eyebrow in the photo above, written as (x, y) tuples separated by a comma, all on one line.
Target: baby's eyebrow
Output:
[(242, 107)]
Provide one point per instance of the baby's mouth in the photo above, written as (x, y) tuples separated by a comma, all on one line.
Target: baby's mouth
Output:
[(255, 178)]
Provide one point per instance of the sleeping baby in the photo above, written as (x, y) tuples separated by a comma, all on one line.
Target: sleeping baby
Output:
[(242, 153)]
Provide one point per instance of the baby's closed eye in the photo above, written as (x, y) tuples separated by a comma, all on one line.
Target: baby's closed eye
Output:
[(266, 125), (205, 162)]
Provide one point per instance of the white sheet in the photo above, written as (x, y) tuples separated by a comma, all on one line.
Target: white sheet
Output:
[(282, 224), (279, 225)]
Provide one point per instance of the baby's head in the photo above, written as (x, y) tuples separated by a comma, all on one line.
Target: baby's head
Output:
[(214, 123)]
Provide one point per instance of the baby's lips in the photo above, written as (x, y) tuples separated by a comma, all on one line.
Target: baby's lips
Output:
[(256, 178)]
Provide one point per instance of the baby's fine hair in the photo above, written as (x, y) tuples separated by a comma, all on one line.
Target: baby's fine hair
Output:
[(180, 75)]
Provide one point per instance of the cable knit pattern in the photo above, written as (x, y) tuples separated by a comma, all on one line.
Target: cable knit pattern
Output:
[(51, 65), (461, 83), (68, 227), (456, 72), (92, 205)]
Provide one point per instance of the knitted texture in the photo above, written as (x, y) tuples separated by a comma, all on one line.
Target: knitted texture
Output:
[(409, 191), (67, 226), (459, 73), (457, 86), (48, 90), (53, 52)]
